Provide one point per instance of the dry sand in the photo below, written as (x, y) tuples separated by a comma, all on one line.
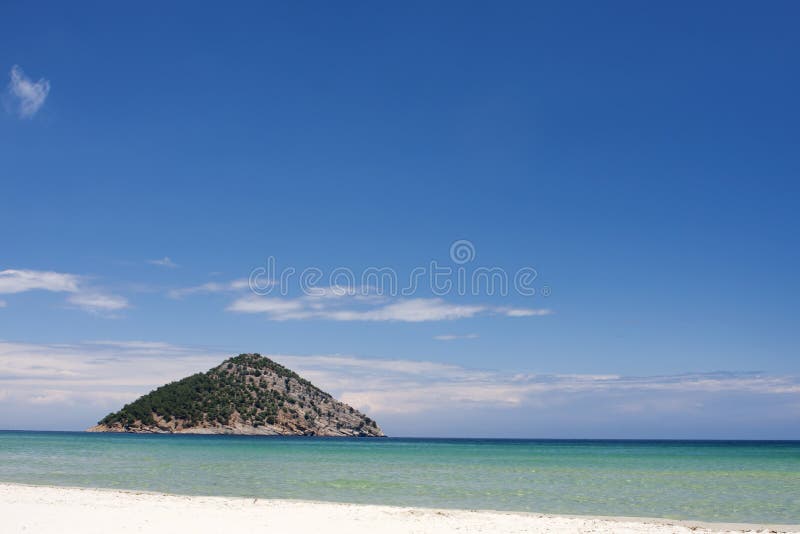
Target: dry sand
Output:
[(46, 509)]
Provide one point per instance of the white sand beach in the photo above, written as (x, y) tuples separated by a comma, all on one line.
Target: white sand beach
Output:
[(46, 509)]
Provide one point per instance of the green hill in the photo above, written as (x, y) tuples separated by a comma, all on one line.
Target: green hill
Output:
[(247, 394)]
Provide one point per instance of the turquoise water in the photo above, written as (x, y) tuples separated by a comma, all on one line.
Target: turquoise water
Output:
[(712, 481)]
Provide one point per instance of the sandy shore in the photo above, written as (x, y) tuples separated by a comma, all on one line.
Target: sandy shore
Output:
[(45, 509)]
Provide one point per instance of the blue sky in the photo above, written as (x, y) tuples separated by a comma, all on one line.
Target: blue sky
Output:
[(641, 158)]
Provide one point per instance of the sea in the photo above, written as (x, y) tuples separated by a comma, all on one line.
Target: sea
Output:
[(728, 481)]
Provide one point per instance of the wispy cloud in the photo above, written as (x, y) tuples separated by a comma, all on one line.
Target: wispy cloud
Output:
[(210, 287), (311, 307), (346, 303), (141, 347), (524, 312), (81, 293), (95, 377), (382, 385), (278, 309), (98, 302), (26, 96), (360, 307), (453, 337), (18, 281), (164, 262), (411, 310), (407, 387), (2, 304)]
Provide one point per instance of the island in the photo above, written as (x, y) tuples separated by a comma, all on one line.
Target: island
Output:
[(247, 394)]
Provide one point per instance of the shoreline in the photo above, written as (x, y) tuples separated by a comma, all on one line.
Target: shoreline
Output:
[(32, 508)]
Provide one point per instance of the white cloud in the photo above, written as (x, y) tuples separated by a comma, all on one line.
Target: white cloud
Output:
[(96, 377), (98, 302), (92, 378), (408, 386), (358, 366), (3, 304), (277, 308), (27, 96), (82, 295), (411, 310), (524, 312), (342, 303), (345, 303), (453, 337), (314, 307), (93, 364), (356, 306), (18, 281), (390, 383), (211, 287), (164, 262), (141, 347)]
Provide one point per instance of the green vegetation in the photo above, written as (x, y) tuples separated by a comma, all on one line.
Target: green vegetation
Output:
[(238, 386)]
